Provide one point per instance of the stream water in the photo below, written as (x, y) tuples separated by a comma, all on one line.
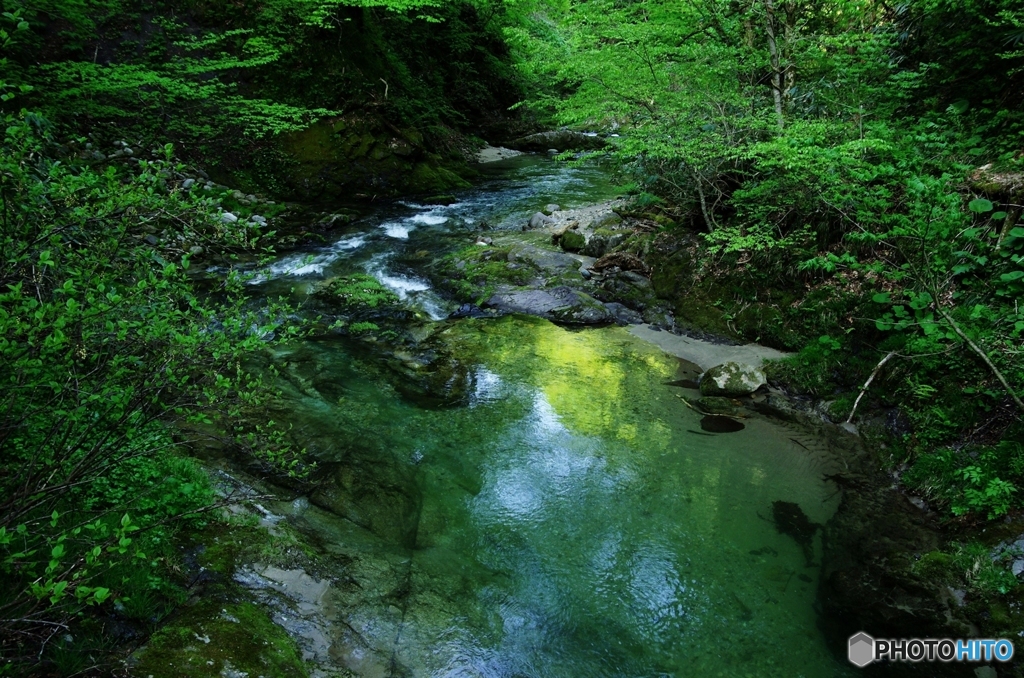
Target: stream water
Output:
[(572, 519)]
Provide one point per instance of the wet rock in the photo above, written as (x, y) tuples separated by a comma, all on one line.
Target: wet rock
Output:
[(557, 235), (550, 209), (376, 492), (623, 315), (558, 141), (658, 318), (731, 379), (431, 377), (540, 220), (791, 520), (188, 183), (718, 405), (468, 311), (228, 218), (606, 220), (561, 304)]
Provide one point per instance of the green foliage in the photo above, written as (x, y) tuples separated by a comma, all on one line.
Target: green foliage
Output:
[(981, 480), (226, 79), (103, 342)]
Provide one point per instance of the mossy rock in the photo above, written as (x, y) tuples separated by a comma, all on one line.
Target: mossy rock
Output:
[(216, 638), (430, 178), (718, 405), (731, 379), (353, 293), (572, 241)]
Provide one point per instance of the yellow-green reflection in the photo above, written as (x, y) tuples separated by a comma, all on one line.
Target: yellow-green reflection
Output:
[(568, 521)]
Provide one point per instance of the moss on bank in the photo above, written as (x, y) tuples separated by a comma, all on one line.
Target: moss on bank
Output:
[(218, 637)]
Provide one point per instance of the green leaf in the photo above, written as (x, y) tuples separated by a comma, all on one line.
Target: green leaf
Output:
[(881, 298), (980, 205)]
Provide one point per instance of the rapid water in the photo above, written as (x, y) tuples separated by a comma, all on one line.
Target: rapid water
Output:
[(572, 519)]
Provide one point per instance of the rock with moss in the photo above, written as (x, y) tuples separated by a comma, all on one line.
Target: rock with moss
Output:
[(572, 241), (718, 405), (603, 241), (731, 379), (353, 293), (560, 304), (217, 637)]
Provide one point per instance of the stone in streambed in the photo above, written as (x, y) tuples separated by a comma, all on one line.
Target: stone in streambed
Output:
[(572, 241), (718, 405), (540, 220), (623, 315), (731, 379), (560, 304), (550, 209)]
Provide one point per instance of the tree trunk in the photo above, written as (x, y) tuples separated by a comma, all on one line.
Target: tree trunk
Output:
[(776, 61)]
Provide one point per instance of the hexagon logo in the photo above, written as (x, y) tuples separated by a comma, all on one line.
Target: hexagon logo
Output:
[(862, 650)]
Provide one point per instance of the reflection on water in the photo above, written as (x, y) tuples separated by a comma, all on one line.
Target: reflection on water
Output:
[(564, 523)]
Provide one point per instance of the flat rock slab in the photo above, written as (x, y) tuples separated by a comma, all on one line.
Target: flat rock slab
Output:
[(548, 261), (704, 353), (562, 304), (495, 153)]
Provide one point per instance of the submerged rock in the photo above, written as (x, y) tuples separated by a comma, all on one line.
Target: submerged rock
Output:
[(791, 520), (714, 423), (731, 379), (376, 492), (431, 377), (718, 405)]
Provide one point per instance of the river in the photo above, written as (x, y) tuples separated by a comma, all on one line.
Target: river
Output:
[(571, 518)]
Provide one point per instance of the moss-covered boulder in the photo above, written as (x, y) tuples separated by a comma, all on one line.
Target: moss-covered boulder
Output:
[(572, 241), (216, 638), (731, 379), (719, 405)]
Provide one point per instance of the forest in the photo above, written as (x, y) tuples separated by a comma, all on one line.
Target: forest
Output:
[(838, 180)]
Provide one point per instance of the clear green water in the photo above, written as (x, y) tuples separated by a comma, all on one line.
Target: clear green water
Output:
[(571, 520), (568, 522)]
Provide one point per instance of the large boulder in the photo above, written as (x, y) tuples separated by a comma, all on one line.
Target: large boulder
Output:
[(559, 140), (731, 380), (572, 241), (561, 304), (540, 220)]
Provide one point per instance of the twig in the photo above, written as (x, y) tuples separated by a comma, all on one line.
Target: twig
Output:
[(864, 388), (984, 356)]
